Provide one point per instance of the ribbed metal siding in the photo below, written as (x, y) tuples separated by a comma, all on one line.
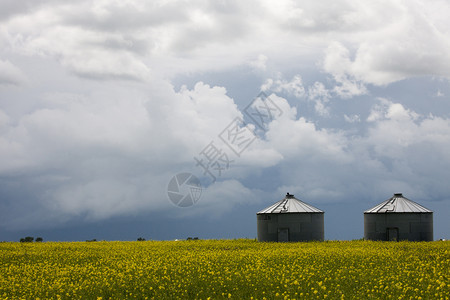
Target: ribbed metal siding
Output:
[(411, 226), (301, 226)]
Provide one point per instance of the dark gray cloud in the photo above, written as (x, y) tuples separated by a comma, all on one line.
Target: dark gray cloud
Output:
[(10, 74), (11, 8), (125, 17), (92, 127)]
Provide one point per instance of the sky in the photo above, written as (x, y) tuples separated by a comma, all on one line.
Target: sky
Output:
[(104, 103)]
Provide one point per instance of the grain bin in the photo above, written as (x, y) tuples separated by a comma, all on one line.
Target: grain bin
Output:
[(398, 218), (290, 220)]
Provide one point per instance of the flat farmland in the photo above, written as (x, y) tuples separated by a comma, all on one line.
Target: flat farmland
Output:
[(222, 269)]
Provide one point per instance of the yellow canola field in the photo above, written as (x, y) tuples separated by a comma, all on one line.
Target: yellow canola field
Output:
[(218, 269)]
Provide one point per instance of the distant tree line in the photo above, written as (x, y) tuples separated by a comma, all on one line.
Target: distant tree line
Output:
[(30, 239)]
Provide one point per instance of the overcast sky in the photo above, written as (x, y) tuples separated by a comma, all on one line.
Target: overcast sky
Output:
[(103, 102)]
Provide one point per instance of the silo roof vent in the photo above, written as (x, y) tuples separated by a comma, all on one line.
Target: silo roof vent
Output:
[(290, 204), (398, 204)]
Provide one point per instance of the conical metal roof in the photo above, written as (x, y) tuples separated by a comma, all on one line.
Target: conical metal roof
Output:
[(398, 204), (289, 204)]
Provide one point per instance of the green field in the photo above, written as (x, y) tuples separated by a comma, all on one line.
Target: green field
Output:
[(217, 269)]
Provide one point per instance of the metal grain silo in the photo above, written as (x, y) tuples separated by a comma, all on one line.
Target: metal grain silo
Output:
[(398, 218), (290, 220)]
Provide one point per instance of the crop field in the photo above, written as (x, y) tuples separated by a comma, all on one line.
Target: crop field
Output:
[(222, 269)]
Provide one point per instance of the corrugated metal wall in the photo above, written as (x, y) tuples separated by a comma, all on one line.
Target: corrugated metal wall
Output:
[(404, 226), (298, 227)]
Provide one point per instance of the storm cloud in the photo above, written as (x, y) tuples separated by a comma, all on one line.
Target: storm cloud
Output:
[(102, 102)]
